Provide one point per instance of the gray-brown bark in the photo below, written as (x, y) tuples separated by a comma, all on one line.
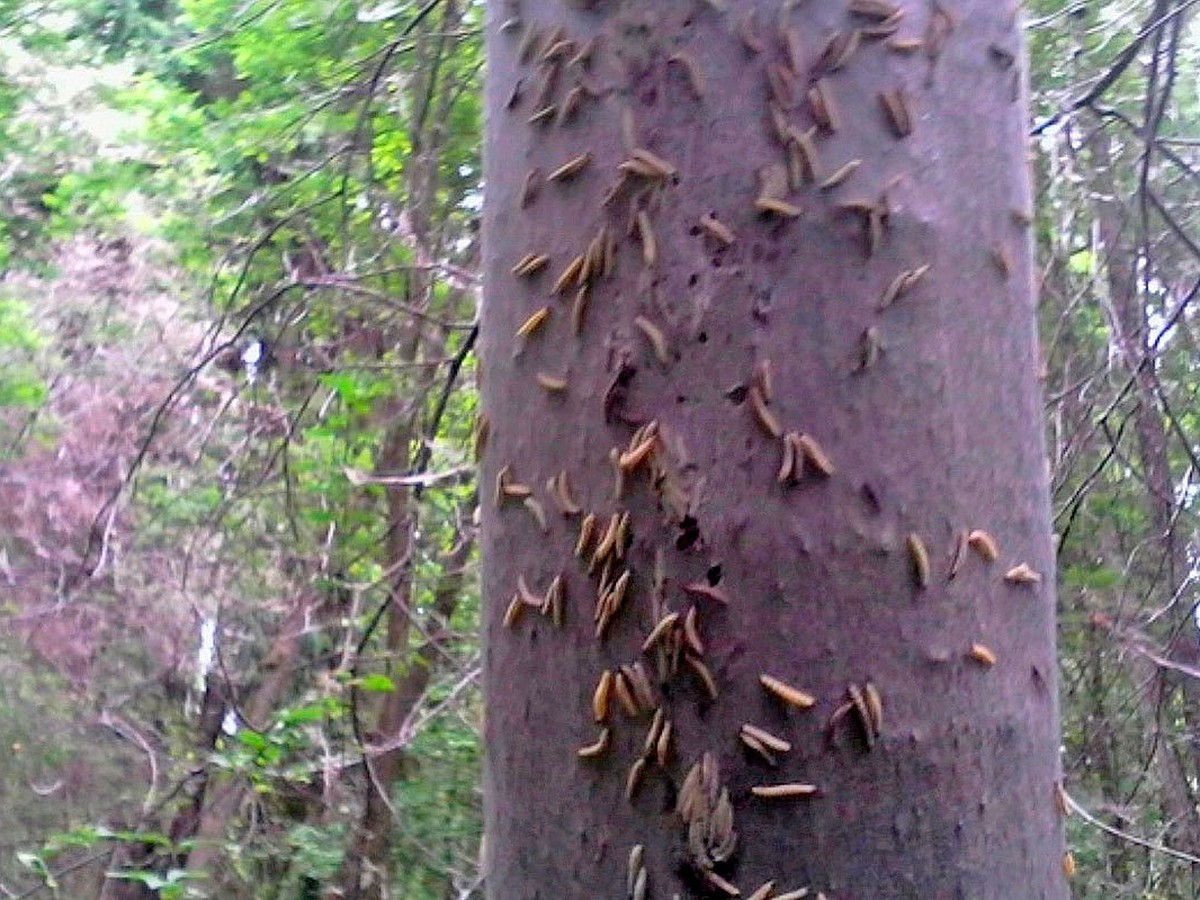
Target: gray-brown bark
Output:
[(938, 433)]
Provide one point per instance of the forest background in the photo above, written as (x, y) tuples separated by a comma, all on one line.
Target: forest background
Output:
[(237, 395)]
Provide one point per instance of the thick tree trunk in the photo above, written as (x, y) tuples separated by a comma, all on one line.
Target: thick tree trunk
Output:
[(920, 388)]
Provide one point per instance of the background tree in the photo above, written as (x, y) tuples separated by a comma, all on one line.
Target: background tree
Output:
[(181, 180), (771, 266)]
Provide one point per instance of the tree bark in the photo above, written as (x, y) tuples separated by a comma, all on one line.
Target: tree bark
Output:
[(919, 384)]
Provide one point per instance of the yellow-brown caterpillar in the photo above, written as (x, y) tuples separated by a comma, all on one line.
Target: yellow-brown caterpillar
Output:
[(783, 791), (634, 780), (704, 675), (528, 597), (898, 111), (869, 347), (813, 455), (557, 50), (551, 38), (506, 487), (781, 81), (640, 682), (765, 738), (512, 615), (539, 513), (601, 696), (765, 418), (984, 544), (904, 45), (803, 161), (529, 42), (665, 624), (569, 275), (691, 632), (636, 866), (919, 558), (1022, 574), (840, 46), (840, 174), (530, 264), (542, 115), (874, 705), (662, 747), (560, 489), (579, 309), (646, 236), (721, 884), (798, 894), (587, 530), (717, 230), (647, 164), (775, 207), (902, 284), (591, 751), (764, 379), (530, 187), (607, 542), (790, 695), (571, 167), (879, 10), (858, 703), (534, 322), (570, 105), (555, 601), (763, 891), (983, 655), (787, 465), (655, 337), (757, 746), (514, 96), (625, 695), (823, 107), (555, 384), (642, 445)]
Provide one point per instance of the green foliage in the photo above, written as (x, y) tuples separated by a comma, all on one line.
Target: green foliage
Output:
[(20, 384)]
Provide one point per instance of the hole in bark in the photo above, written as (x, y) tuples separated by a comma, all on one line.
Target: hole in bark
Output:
[(702, 337), (692, 279), (694, 230), (679, 398), (737, 394), (716, 262), (689, 533), (713, 575), (871, 498)]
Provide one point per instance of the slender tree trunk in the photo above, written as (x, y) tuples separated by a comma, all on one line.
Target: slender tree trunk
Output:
[(919, 384), (1131, 336)]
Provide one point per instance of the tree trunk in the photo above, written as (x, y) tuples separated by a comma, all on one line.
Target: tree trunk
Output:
[(911, 402)]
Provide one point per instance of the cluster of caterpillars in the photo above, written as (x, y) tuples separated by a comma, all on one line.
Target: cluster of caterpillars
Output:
[(556, 93)]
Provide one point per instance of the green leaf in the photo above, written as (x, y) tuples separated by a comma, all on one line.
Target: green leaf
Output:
[(304, 715), (379, 683)]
